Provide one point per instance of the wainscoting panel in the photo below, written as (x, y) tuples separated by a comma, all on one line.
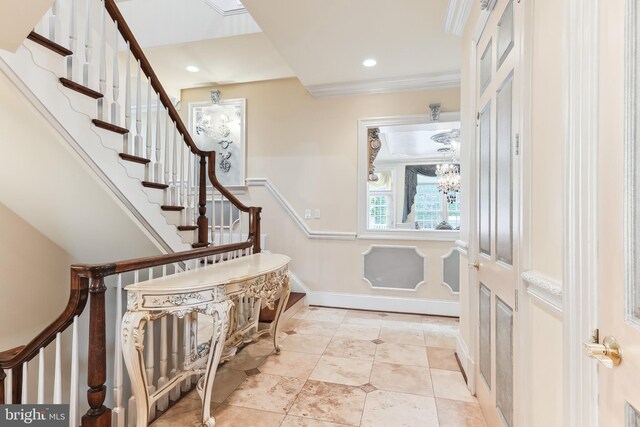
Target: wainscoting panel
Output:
[(504, 360), (394, 267), (485, 333), (451, 270)]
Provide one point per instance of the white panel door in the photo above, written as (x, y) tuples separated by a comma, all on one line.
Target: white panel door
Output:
[(497, 212), (618, 209)]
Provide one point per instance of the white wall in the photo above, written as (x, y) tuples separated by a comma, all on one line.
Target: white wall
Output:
[(307, 148)]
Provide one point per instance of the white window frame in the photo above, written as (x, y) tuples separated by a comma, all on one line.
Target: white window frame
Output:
[(391, 211), (363, 194)]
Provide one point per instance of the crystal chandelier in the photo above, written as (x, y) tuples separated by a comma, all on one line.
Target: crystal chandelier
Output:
[(448, 180)]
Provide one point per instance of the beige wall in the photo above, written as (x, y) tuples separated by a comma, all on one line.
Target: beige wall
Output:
[(34, 280), (307, 148)]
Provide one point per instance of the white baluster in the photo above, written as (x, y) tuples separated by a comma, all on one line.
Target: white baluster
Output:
[(8, 396), (157, 172), (131, 419), (175, 393), (137, 140), (73, 392), (149, 167), (53, 20), (167, 148), (221, 222), (230, 226), (127, 101), (41, 376), (174, 195), (115, 106), (186, 336), (57, 375), (190, 195), (150, 369), (102, 79), (163, 403), (86, 68), (118, 413), (213, 218), (183, 184), (73, 38), (25, 383)]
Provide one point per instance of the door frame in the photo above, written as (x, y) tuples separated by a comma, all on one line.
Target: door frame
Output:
[(580, 299)]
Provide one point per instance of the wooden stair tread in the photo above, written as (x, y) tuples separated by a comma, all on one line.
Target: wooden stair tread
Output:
[(110, 126), (157, 185), (187, 227), (171, 208), (267, 316), (70, 84), (53, 46), (135, 159)]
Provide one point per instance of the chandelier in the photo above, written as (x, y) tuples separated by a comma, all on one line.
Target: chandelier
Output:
[(448, 175)]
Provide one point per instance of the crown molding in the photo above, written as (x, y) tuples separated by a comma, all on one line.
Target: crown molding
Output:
[(458, 13), (397, 84)]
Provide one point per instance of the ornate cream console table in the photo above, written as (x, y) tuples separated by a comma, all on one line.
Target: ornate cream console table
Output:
[(231, 293)]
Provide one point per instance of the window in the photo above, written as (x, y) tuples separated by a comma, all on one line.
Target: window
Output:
[(381, 201), (432, 207)]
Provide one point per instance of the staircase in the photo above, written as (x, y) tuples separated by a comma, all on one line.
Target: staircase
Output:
[(84, 71)]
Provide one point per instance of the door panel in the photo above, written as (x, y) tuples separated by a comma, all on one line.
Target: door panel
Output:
[(497, 177), (618, 208)]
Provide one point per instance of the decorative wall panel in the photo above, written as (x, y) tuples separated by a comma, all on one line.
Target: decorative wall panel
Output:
[(504, 360), (451, 270), (394, 267), (485, 333)]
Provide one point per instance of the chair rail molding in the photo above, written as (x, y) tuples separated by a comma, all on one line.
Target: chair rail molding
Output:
[(297, 219), (545, 290)]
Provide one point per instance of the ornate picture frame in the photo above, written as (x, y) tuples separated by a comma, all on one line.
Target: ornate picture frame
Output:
[(221, 127)]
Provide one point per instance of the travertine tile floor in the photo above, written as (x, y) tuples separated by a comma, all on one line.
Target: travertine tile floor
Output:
[(342, 368)]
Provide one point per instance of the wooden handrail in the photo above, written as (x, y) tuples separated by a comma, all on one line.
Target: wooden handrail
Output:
[(77, 300), (216, 184), (145, 65)]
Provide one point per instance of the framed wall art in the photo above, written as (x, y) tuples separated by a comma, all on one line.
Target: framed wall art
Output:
[(220, 126)]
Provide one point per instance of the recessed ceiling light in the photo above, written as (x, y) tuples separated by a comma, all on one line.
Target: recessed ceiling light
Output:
[(193, 68), (369, 62)]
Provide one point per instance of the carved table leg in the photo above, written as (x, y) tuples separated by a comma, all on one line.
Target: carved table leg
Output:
[(282, 305), (132, 345), (220, 313)]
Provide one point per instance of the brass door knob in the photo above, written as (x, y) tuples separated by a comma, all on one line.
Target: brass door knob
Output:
[(607, 353), (474, 265)]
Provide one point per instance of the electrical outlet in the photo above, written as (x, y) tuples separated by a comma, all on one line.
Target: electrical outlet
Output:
[(307, 214), (316, 213)]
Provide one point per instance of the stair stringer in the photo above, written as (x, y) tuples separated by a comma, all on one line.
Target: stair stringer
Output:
[(70, 113)]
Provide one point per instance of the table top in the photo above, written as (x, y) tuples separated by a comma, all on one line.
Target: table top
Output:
[(226, 272)]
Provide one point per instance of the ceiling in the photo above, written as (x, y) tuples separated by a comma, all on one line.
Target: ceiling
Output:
[(323, 43), (406, 143)]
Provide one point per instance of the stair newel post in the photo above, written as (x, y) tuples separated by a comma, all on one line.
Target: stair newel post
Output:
[(203, 222), (98, 414), (255, 228)]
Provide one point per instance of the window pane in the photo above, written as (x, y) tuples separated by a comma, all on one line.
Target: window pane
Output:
[(379, 217), (485, 68), (505, 34), (504, 194), (485, 180), (453, 213), (428, 202)]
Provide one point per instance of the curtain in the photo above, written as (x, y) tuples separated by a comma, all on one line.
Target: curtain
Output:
[(411, 184)]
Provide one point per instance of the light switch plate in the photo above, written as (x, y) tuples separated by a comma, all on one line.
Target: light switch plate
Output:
[(307, 214), (316, 213)]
